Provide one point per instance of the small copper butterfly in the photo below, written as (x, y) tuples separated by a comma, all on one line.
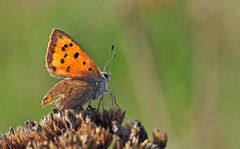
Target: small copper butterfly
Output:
[(83, 80)]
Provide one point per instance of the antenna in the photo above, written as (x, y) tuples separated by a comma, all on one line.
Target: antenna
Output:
[(110, 57)]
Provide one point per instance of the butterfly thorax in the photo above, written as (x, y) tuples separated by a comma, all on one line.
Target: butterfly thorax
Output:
[(101, 85), (98, 84)]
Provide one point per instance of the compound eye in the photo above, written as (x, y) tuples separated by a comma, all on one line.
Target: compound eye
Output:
[(105, 76)]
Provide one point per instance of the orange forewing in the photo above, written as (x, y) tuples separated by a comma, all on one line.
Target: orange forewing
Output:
[(65, 58)]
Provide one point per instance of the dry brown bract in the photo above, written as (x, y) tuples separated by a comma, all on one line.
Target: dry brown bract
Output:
[(82, 129)]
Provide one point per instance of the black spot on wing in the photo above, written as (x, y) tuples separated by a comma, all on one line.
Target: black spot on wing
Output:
[(68, 69), (76, 55), (62, 61), (53, 68)]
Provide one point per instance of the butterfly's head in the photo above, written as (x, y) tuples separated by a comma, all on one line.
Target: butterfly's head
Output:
[(106, 75)]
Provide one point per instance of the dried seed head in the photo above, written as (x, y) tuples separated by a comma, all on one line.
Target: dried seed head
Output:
[(160, 138), (82, 129)]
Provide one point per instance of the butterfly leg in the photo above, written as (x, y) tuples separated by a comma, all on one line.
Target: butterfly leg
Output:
[(100, 103), (114, 99), (89, 104), (114, 102)]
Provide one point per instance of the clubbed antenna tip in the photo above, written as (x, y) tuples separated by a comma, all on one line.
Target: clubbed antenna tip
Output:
[(111, 55), (112, 47)]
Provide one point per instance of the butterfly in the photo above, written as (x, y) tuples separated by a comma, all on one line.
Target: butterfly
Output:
[(83, 80)]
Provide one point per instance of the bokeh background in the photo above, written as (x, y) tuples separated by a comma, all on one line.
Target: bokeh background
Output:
[(176, 69)]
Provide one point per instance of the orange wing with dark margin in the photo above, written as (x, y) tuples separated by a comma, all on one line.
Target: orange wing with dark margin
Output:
[(65, 58)]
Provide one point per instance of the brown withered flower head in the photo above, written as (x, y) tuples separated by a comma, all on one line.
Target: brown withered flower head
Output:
[(85, 129)]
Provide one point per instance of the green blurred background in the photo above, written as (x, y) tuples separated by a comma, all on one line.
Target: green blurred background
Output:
[(177, 64)]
